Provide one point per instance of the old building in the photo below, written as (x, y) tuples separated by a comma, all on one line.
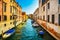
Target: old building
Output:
[(24, 16), (49, 11), (0, 10), (10, 11), (35, 14)]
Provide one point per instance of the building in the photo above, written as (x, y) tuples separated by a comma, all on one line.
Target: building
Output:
[(0, 10), (30, 16), (49, 12), (35, 14), (24, 16), (19, 13), (10, 11)]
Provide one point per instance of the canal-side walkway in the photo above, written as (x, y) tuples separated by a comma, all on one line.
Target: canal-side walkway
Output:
[(49, 28)]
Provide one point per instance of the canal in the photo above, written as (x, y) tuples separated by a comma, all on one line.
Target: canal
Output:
[(27, 32)]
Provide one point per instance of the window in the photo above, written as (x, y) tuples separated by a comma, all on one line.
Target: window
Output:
[(13, 17), (10, 9), (48, 5), (48, 18), (4, 7), (10, 22), (39, 1), (4, 24), (53, 19), (12, 0), (44, 8), (0, 18), (10, 17), (43, 1), (43, 17), (59, 1), (5, 18), (59, 19)]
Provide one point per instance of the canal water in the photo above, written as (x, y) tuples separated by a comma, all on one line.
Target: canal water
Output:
[(27, 32)]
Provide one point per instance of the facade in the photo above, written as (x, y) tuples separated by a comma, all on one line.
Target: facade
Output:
[(49, 12), (10, 11), (24, 16), (35, 14), (0, 10), (19, 13)]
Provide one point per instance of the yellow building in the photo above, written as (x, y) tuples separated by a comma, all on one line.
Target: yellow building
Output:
[(11, 12), (24, 16)]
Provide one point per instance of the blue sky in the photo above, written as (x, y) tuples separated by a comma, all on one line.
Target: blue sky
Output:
[(28, 6)]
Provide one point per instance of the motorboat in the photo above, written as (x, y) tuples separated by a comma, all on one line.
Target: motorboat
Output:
[(41, 32), (35, 25), (32, 21), (8, 33)]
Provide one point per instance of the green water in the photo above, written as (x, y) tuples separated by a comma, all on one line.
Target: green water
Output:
[(29, 33)]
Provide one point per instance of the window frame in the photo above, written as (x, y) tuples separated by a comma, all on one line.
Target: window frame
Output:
[(48, 5), (5, 17), (53, 18), (0, 17), (58, 1), (4, 6), (44, 8), (48, 18), (10, 17)]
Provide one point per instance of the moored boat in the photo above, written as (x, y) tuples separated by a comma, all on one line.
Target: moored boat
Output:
[(35, 25), (41, 33), (8, 33)]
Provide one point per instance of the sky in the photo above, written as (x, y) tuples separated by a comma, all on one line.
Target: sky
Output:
[(28, 6)]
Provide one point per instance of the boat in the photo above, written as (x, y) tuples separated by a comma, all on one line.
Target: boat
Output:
[(35, 25), (32, 21), (8, 33), (41, 33)]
